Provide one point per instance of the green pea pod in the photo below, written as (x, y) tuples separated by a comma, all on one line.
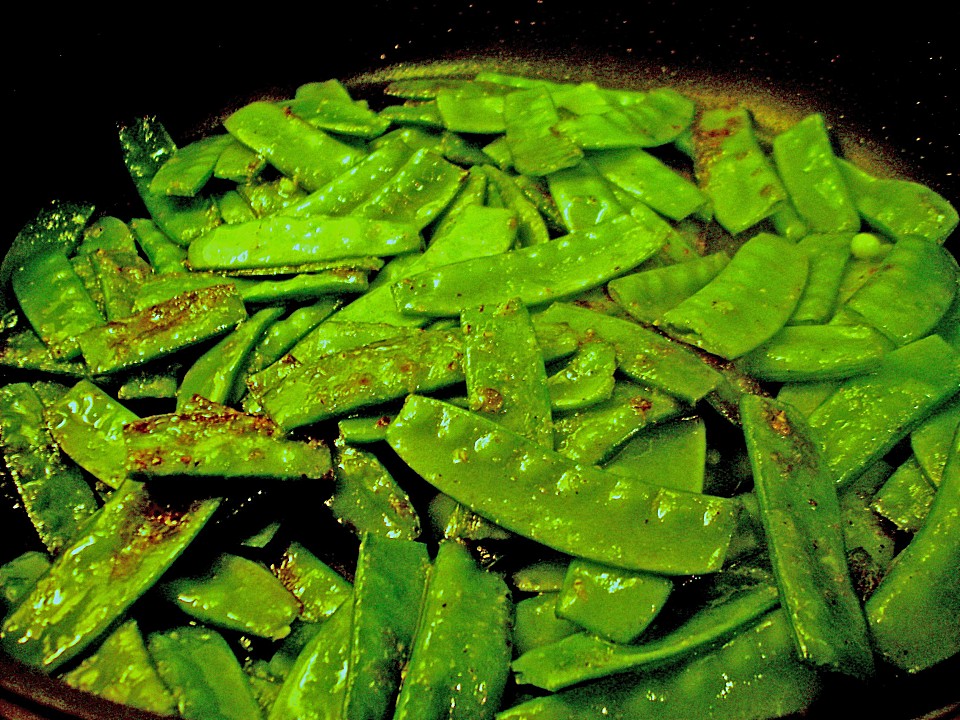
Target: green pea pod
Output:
[(162, 329), (119, 554), (746, 303), (238, 163), (163, 254), (584, 656), (472, 108), (906, 497), (149, 385), (237, 594), (108, 233), (755, 674), (283, 334), (24, 350), (808, 167), (867, 415), (910, 293), (391, 575), (538, 274), (733, 170), (930, 441), (671, 453), (531, 227), (146, 146), (642, 354), (587, 379), (912, 614), (19, 575), (583, 196), (546, 497), (298, 150), (187, 169), (219, 443), (273, 197), (55, 495), (529, 117), (203, 674), (318, 587), (364, 429), (828, 255), (800, 512), (536, 623), (119, 274), (121, 670), (336, 113), (55, 302), (88, 425), (414, 114), (460, 659)]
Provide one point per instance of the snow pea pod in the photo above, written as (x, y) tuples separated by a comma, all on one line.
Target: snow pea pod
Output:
[(828, 255), (531, 227), (930, 441), (536, 623), (335, 111), (109, 234), (55, 495), (529, 116), (800, 513), (283, 334), (670, 453), (162, 329), (120, 274), (20, 574), (119, 553), (300, 151), (745, 304), (540, 494), (539, 274), (583, 196), (318, 587), (187, 169), (460, 659), (238, 163), (906, 497), (163, 254), (587, 379), (24, 350)]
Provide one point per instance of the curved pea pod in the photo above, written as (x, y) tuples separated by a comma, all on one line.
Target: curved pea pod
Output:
[(800, 512), (642, 354), (187, 169), (531, 226), (238, 163), (314, 688), (746, 303), (119, 274), (318, 587), (733, 170), (828, 255), (122, 670), (906, 497), (868, 414), (163, 254), (336, 111), (583, 196), (613, 603), (587, 379), (109, 234), (284, 333), (755, 674), (219, 443), (930, 441), (297, 149), (913, 613), (203, 674), (544, 496), (536, 623), (648, 294), (162, 329), (537, 275), (583, 656), (811, 353), (88, 425), (671, 453), (120, 553), (366, 498), (391, 575), (234, 207), (460, 659), (54, 494), (237, 594), (900, 208), (910, 293), (808, 168), (146, 146)]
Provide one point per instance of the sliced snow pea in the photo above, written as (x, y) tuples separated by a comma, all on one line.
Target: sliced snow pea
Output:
[(364, 429), (273, 197), (55, 302), (733, 170), (214, 375), (391, 575), (163, 254), (540, 494), (149, 385), (109, 234), (868, 538), (319, 589), (755, 674), (808, 168), (612, 603), (909, 294), (88, 426), (536, 623), (236, 594), (642, 354), (583, 656), (587, 379), (54, 493), (162, 329), (307, 155), (529, 117), (460, 658), (827, 255), (583, 196), (648, 294), (672, 454), (120, 275), (24, 350), (745, 304), (219, 443), (913, 613), (900, 208), (367, 499), (238, 163), (19, 575), (146, 146), (867, 415), (930, 441), (472, 108), (120, 553), (283, 334), (203, 674), (906, 497), (122, 670), (801, 518), (234, 208), (504, 369), (281, 240), (531, 227), (335, 111), (801, 353), (414, 114), (187, 169)]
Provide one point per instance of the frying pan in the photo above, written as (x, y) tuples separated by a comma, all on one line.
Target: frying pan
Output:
[(888, 84)]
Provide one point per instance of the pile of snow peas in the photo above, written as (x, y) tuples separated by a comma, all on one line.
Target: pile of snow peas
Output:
[(487, 397)]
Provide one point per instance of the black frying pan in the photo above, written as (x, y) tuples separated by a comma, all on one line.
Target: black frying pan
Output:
[(888, 82)]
